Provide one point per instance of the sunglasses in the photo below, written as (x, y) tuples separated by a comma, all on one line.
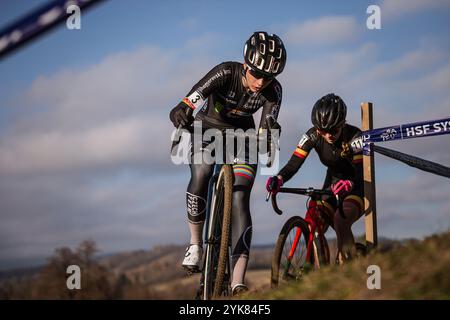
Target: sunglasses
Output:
[(258, 75), (333, 131)]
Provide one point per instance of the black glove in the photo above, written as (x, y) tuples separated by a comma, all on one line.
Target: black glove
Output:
[(272, 123), (181, 115)]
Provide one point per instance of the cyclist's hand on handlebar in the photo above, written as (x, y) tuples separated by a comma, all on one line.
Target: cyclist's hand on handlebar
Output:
[(182, 117), (342, 188), (274, 184), (272, 123)]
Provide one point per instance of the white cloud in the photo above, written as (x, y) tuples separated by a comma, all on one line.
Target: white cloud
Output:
[(412, 207), (115, 113), (411, 63), (395, 9), (435, 83), (115, 143), (330, 72), (325, 30), (119, 214)]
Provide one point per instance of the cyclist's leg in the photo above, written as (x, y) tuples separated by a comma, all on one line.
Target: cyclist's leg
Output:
[(327, 208), (196, 196), (196, 205), (352, 207), (241, 229), (197, 190)]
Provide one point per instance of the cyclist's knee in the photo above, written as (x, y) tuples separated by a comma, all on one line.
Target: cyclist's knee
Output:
[(351, 210), (200, 175), (197, 192), (354, 205), (240, 196), (196, 206), (350, 214)]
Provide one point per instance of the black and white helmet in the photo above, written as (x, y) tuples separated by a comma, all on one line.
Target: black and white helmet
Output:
[(329, 112), (265, 53)]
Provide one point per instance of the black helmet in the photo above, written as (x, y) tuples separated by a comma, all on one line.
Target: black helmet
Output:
[(329, 112), (265, 53)]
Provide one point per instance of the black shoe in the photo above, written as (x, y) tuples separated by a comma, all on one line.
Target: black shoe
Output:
[(238, 289), (191, 269)]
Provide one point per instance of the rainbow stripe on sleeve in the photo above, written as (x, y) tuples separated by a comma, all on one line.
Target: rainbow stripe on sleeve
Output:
[(189, 103), (300, 153)]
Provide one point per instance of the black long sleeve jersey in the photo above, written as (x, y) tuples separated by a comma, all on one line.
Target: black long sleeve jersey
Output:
[(225, 102), (343, 158)]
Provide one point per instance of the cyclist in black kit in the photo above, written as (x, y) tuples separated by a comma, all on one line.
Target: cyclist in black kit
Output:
[(229, 95), (339, 147)]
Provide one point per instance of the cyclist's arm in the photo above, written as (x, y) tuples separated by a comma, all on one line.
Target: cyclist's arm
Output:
[(357, 161), (271, 108), (272, 105), (214, 79), (299, 156), (328, 179)]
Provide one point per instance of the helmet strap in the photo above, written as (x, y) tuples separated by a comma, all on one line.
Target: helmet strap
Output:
[(244, 77)]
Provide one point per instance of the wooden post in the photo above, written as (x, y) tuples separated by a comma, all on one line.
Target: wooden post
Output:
[(370, 208)]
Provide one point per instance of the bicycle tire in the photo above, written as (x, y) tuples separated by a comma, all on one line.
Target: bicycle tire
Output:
[(361, 249), (277, 263), (213, 249), (223, 263)]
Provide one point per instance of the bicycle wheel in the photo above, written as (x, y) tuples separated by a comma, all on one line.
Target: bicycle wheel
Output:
[(216, 260), (223, 265), (361, 249), (290, 262)]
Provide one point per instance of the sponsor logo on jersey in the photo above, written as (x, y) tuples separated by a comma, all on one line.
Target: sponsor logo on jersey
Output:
[(303, 140), (218, 75)]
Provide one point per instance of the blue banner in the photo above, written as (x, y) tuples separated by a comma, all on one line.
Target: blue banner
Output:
[(405, 131), (37, 22)]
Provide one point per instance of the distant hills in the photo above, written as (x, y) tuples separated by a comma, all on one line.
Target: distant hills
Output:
[(140, 274)]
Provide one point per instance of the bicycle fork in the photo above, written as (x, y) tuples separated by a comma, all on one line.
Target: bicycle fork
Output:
[(310, 214)]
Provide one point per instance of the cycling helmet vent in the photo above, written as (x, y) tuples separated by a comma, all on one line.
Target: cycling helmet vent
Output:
[(265, 53)]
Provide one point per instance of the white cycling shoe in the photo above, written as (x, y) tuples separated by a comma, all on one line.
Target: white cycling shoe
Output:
[(193, 258)]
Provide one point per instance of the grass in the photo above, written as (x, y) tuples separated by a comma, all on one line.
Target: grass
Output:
[(413, 270)]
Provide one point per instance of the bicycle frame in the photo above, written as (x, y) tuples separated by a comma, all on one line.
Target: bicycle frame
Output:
[(314, 218), (209, 203)]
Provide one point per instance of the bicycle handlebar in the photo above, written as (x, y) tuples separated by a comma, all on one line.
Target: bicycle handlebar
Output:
[(175, 142), (307, 191), (271, 123), (311, 192)]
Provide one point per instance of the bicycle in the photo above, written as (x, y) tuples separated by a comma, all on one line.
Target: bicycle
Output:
[(290, 260), (216, 273), (215, 280)]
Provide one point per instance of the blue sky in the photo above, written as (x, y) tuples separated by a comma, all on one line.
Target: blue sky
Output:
[(84, 129)]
